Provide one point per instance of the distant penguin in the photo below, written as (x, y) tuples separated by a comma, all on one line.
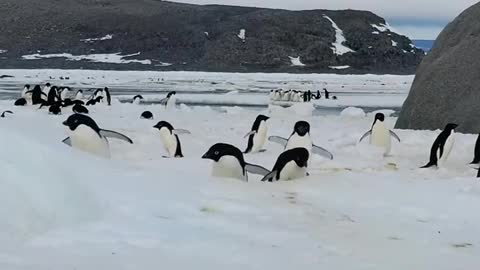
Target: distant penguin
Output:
[(300, 137), (442, 146), (327, 94), (318, 95), (78, 108), (46, 89), (85, 135), (147, 115), (37, 95), (107, 95), (228, 162), (170, 140), (277, 95), (290, 165), (476, 157), (98, 93), (258, 134), (5, 112), (55, 109), (170, 101), (79, 95), (137, 99), (272, 94), (380, 135), (20, 102)]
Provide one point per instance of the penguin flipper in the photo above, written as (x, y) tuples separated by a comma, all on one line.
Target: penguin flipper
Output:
[(322, 152), (3, 114), (181, 131), (256, 169), (277, 139), (368, 133), (163, 101), (249, 133), (269, 177), (394, 135), (67, 141), (113, 134)]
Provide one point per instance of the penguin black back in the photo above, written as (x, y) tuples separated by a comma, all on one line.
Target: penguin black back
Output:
[(298, 155), (147, 115), (438, 144), (109, 98), (55, 109), (37, 95), (78, 108), (255, 127), (476, 157), (75, 120), (20, 102)]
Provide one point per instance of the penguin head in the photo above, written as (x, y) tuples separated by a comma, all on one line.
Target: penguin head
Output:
[(171, 94), (301, 128), (27, 86), (48, 84), (262, 117), (164, 124), (217, 151), (75, 120), (80, 91), (450, 126), (380, 117), (300, 156)]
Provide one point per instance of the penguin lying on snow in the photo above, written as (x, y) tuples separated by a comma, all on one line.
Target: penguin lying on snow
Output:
[(379, 135), (229, 163), (147, 115), (87, 136), (55, 109), (442, 146), (258, 135), (290, 165), (20, 102), (169, 137), (5, 112), (301, 138), (78, 108)]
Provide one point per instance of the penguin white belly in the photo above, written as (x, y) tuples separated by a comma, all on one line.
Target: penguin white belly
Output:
[(171, 102), (86, 139), (169, 141), (24, 93), (229, 167), (28, 97), (79, 96), (136, 101), (380, 137), (260, 137), (447, 148), (64, 94), (298, 141), (272, 95), (291, 171)]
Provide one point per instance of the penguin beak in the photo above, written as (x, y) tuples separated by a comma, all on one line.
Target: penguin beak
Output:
[(65, 123), (206, 156)]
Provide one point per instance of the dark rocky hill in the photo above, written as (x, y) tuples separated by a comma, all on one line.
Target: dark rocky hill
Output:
[(194, 37)]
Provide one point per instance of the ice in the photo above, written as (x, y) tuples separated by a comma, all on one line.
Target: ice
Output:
[(338, 47), (91, 40), (296, 61), (114, 58)]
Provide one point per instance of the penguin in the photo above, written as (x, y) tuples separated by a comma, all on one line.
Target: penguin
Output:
[(85, 135), (318, 95), (78, 108), (290, 165), (137, 99), (79, 95), (379, 134), (107, 94), (80, 102), (67, 102), (26, 88), (37, 95), (55, 109), (147, 115), (52, 96), (20, 102), (442, 146), (300, 137), (5, 112), (476, 157), (64, 93), (170, 140), (228, 161), (277, 95), (170, 101), (327, 94), (272, 95), (258, 135), (97, 93), (46, 89)]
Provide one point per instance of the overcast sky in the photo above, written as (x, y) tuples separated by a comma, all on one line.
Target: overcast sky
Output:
[(418, 19)]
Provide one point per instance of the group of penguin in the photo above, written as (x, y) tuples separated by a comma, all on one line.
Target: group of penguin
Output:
[(228, 160), (298, 96)]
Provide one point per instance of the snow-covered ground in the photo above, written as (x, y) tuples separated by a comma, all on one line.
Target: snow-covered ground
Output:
[(64, 209)]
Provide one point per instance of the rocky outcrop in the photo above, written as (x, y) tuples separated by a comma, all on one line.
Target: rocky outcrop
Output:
[(174, 36), (447, 84)]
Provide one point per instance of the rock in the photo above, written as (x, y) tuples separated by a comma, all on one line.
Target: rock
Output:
[(176, 36), (447, 84)]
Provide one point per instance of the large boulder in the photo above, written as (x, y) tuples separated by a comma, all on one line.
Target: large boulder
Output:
[(447, 84)]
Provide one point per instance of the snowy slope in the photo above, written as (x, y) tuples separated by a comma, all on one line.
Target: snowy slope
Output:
[(64, 209)]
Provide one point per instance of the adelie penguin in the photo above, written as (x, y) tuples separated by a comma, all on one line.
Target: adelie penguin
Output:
[(37, 95), (380, 135), (4, 113), (228, 162), (78, 108), (85, 135), (106, 91), (291, 164), (476, 156), (147, 115), (20, 102), (137, 99), (55, 109), (442, 146), (170, 101), (258, 135), (170, 140), (79, 95), (300, 137)]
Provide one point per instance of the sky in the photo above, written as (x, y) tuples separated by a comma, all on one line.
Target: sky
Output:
[(418, 19)]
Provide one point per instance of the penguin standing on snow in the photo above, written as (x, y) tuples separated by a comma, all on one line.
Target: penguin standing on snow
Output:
[(290, 165), (106, 91), (79, 95), (37, 95), (137, 99), (258, 135), (64, 92), (26, 88), (46, 89), (379, 135), (301, 138), (170, 101), (52, 96), (87, 136), (228, 162), (442, 146), (170, 140), (55, 109)]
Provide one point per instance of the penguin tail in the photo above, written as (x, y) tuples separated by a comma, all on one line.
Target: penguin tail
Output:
[(430, 164)]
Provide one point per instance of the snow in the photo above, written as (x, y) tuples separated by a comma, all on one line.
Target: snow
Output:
[(394, 44), (206, 33), (376, 33), (241, 35), (91, 40), (339, 67), (385, 28), (338, 47), (3, 51), (353, 112), (64, 209), (296, 61), (114, 58)]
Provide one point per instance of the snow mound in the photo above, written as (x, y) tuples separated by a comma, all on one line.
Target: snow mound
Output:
[(353, 112), (114, 58), (338, 47), (302, 109)]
